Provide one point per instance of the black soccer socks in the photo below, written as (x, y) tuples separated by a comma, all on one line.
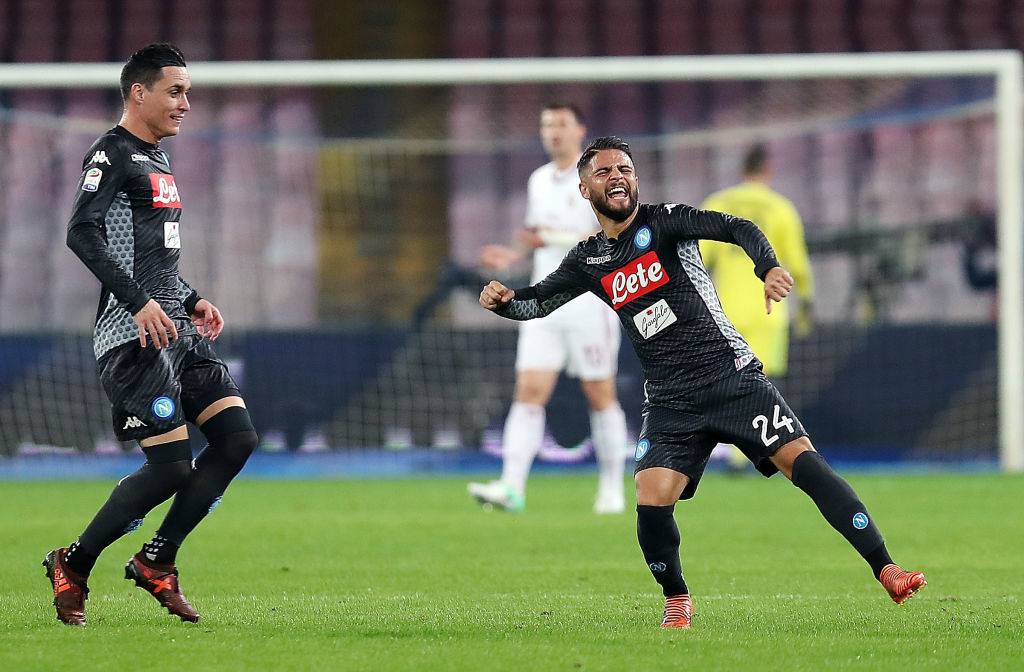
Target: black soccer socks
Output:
[(841, 507), (659, 540), (167, 468), (232, 441)]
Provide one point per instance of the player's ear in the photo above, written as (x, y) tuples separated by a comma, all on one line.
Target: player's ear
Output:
[(137, 93), (584, 191)]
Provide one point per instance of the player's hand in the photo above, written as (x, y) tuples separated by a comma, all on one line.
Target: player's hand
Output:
[(777, 283), (530, 238), (208, 320), (498, 257), (495, 295), (153, 321)]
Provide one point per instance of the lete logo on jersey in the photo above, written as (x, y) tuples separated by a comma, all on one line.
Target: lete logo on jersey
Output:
[(640, 276), (165, 192)]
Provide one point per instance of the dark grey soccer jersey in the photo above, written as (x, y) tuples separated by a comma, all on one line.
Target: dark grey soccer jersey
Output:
[(124, 226), (654, 279)]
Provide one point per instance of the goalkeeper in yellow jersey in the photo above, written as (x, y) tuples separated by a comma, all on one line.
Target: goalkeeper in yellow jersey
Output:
[(731, 269)]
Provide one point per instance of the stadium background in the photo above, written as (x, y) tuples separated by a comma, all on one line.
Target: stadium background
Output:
[(337, 228)]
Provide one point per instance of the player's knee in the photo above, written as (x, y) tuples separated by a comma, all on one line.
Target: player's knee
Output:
[(787, 455), (658, 486), (531, 393), (232, 435), (237, 447), (174, 474), (600, 394)]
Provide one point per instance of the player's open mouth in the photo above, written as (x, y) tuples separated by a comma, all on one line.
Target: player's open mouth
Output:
[(177, 117), (618, 194)]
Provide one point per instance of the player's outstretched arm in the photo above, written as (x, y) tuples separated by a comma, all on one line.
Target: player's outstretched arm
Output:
[(495, 295), (501, 300), (691, 223), (777, 285), (551, 293)]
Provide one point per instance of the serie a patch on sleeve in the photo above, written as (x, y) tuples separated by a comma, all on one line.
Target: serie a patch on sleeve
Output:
[(92, 179)]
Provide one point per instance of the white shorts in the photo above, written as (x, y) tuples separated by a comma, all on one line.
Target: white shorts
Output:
[(585, 346)]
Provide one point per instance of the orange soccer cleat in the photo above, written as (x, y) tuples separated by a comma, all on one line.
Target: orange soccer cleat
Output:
[(678, 612), (69, 589), (900, 584), (161, 581)]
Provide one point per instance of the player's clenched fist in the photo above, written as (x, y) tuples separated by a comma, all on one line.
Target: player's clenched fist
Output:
[(495, 295), (777, 283)]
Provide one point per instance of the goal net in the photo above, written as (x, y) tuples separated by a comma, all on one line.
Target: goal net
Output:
[(338, 226)]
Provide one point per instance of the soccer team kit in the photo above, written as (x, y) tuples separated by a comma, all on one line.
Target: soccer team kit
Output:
[(704, 384)]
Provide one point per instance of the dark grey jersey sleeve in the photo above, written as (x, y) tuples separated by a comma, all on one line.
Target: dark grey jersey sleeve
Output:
[(559, 288), (103, 177), (689, 223), (190, 297)]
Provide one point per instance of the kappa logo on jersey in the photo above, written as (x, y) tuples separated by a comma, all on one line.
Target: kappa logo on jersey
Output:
[(669, 207), (642, 446), (140, 157), (642, 239), (641, 276), (654, 319), (100, 157), (165, 192), (599, 260), (133, 423), (163, 407), (92, 179)]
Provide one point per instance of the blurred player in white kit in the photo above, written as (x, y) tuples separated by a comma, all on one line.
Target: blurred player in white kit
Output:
[(581, 338)]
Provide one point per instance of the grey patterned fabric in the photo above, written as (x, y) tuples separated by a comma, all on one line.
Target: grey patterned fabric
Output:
[(693, 265), (531, 309), (116, 326)]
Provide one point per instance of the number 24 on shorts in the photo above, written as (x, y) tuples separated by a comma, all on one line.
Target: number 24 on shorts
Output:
[(778, 421)]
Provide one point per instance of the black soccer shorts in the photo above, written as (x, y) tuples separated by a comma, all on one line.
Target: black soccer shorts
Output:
[(153, 391), (744, 409)]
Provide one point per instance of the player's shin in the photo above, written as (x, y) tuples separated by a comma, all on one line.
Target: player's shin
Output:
[(166, 470), (658, 535), (841, 507), (232, 440), (608, 428), (523, 434)]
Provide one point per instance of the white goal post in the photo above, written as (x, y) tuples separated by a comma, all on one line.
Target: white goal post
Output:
[(1004, 66)]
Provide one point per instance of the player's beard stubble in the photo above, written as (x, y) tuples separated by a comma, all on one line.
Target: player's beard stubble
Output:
[(617, 211)]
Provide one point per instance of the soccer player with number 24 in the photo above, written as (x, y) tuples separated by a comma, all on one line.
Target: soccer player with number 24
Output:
[(704, 385)]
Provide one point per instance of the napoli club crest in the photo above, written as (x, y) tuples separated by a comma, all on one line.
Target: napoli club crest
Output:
[(860, 520), (642, 239), (642, 446), (163, 407)]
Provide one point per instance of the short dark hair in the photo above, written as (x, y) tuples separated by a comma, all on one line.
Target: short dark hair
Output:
[(144, 65), (606, 142), (559, 105), (756, 160)]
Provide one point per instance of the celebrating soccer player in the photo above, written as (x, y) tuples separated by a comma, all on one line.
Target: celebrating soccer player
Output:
[(583, 338), (704, 385), (152, 341)]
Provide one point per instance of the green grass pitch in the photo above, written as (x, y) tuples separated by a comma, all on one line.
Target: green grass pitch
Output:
[(411, 575)]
